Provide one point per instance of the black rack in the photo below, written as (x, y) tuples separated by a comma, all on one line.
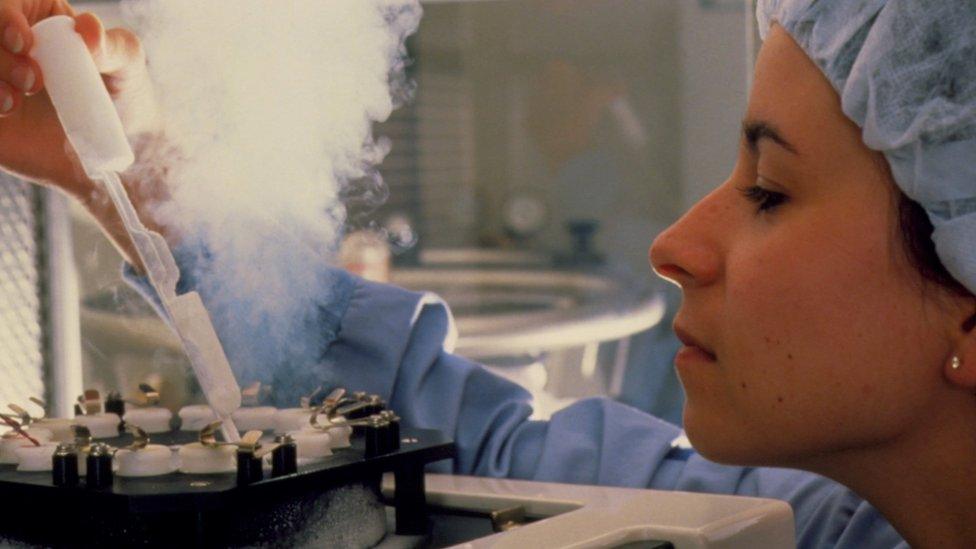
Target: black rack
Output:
[(211, 510)]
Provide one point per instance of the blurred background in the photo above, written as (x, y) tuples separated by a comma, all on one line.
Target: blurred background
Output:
[(543, 147)]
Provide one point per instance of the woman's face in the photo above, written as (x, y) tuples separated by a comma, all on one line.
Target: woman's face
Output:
[(815, 334)]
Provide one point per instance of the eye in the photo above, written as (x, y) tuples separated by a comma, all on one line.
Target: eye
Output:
[(765, 199)]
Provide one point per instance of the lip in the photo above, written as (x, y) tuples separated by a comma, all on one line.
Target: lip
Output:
[(693, 351), (692, 355)]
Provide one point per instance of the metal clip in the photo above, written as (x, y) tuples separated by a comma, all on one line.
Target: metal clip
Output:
[(369, 421), (504, 520), (83, 437), (12, 423), (140, 439), (251, 444), (149, 393), (362, 401), (255, 393), (25, 417), (375, 420), (333, 401), (284, 439), (100, 449), (313, 420), (329, 412), (250, 441), (91, 402), (148, 396), (208, 435), (306, 401)]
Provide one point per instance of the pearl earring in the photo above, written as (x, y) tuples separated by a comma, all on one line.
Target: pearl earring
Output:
[(956, 362)]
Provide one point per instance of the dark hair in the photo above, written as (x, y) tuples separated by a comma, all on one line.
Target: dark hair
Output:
[(917, 232)]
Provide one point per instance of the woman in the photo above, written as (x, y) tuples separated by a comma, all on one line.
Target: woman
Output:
[(822, 331)]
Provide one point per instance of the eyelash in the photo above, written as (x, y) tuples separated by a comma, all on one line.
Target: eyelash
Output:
[(765, 199)]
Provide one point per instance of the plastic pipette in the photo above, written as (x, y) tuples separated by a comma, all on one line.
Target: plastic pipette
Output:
[(95, 131)]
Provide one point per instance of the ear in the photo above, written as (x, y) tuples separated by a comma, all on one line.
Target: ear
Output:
[(962, 372)]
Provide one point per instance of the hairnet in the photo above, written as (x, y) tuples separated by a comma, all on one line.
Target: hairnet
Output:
[(906, 74)]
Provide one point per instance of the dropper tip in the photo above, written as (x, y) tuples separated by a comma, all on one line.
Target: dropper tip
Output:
[(229, 430)]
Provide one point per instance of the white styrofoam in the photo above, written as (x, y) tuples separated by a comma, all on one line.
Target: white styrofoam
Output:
[(36, 458), (151, 461), (312, 444), (195, 458), (255, 418), (154, 419), (291, 419), (196, 416), (102, 425)]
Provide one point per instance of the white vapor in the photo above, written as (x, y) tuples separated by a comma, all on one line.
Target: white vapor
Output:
[(270, 104)]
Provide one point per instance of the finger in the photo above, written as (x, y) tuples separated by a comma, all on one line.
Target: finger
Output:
[(89, 26), (9, 99), (17, 16), (16, 36), (62, 7), (19, 72), (115, 51)]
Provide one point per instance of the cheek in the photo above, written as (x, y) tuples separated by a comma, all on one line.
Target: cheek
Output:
[(780, 297), (812, 288), (820, 329)]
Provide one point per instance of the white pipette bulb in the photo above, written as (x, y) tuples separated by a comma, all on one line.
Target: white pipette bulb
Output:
[(80, 98)]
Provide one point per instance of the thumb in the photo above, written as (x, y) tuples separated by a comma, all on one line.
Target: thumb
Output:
[(119, 56), (117, 52)]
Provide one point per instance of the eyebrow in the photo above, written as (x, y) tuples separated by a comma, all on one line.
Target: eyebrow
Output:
[(756, 130)]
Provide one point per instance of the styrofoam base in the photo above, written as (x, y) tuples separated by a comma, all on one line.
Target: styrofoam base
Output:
[(197, 459), (36, 458), (291, 419), (196, 416), (151, 420), (340, 432), (255, 418), (9, 445), (312, 443), (104, 425), (59, 427), (151, 461)]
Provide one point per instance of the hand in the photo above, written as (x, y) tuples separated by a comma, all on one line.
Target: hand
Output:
[(32, 142)]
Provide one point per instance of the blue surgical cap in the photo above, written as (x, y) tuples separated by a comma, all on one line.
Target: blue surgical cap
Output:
[(906, 74)]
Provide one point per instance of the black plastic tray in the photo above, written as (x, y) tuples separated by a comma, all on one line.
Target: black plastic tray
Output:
[(211, 510)]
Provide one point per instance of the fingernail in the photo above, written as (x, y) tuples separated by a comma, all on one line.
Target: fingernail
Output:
[(13, 40), (8, 101), (23, 77)]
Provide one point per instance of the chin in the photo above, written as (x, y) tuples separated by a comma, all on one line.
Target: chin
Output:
[(737, 445), (726, 443), (719, 452)]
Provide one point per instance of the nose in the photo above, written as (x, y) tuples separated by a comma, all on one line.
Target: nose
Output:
[(688, 252)]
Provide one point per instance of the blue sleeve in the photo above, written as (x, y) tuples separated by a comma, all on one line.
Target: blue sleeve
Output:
[(397, 344)]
